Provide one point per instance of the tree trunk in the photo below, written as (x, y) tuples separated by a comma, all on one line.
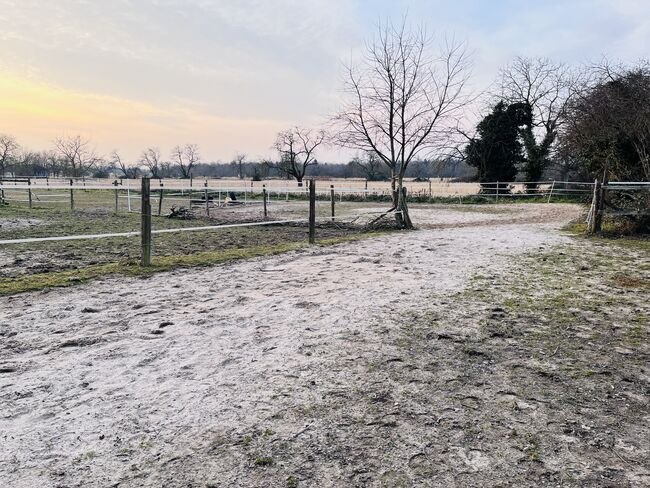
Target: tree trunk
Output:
[(401, 207), (299, 180), (536, 157)]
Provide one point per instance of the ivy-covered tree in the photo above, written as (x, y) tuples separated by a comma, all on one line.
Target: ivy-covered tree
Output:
[(547, 88), (496, 151)]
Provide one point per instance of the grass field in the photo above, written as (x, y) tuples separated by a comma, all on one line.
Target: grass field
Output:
[(55, 263)]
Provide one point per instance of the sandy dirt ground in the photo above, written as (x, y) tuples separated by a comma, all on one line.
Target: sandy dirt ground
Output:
[(291, 370), (13, 224)]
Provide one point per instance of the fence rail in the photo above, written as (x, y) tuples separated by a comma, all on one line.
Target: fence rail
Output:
[(37, 191), (144, 195)]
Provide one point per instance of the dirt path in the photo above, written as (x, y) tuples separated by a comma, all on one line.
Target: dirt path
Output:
[(256, 373)]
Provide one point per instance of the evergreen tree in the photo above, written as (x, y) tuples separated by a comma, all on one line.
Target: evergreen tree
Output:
[(497, 149)]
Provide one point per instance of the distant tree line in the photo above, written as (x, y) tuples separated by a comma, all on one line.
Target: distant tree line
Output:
[(75, 157)]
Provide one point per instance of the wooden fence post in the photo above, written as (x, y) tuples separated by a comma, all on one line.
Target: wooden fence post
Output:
[(550, 194), (497, 195), (145, 231), (71, 195), (116, 197), (312, 211), (29, 191), (205, 193), (160, 199), (264, 200), (591, 220), (332, 200), (599, 211)]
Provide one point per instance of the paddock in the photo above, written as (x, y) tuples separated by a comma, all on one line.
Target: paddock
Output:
[(267, 371)]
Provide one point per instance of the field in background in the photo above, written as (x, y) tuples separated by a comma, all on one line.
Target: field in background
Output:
[(435, 187)]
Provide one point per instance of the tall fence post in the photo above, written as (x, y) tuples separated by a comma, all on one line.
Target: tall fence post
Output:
[(116, 197), (207, 201), (71, 195), (497, 194), (591, 221), (29, 190), (160, 199), (332, 201), (600, 207), (264, 200), (145, 231), (312, 211), (550, 193)]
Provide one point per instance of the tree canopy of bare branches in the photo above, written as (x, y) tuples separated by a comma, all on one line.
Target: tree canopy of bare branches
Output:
[(371, 165), (185, 158), (151, 159), (77, 154), (609, 123), (403, 98), (546, 88), (238, 163), (8, 152), (297, 148), (117, 161)]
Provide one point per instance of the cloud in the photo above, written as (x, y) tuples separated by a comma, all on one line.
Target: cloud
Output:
[(40, 112), (274, 61)]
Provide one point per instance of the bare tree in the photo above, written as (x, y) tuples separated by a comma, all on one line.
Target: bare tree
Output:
[(117, 161), (151, 159), (238, 164), (77, 154), (297, 148), (404, 98), (186, 157), (371, 165), (546, 88), (54, 165), (8, 152)]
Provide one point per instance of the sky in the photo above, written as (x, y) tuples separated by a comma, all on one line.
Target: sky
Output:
[(229, 74)]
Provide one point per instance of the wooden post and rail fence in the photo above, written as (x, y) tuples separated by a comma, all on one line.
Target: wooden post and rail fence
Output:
[(145, 227)]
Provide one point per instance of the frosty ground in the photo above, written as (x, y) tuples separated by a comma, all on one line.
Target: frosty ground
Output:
[(487, 348)]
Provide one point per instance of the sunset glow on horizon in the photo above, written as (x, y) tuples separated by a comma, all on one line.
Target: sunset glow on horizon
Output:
[(228, 75)]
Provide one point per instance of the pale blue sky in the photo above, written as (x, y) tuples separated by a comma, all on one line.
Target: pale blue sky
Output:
[(228, 74)]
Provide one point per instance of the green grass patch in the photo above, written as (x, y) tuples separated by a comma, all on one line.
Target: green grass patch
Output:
[(39, 281), (610, 236)]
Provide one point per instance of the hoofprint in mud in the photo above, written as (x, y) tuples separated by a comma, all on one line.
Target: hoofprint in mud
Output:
[(243, 374)]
